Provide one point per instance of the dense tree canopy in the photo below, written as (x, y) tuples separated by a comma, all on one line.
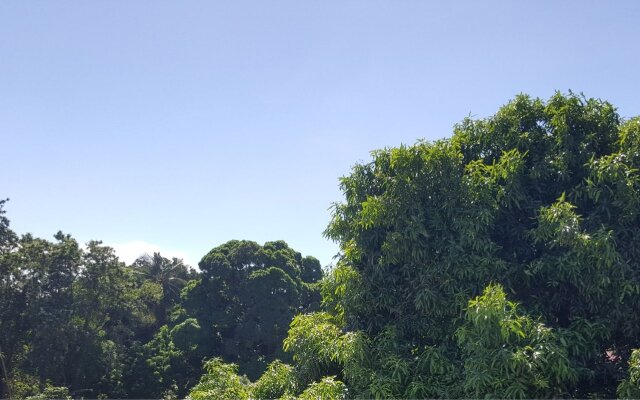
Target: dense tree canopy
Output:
[(543, 198), (238, 309), (503, 261), (79, 322)]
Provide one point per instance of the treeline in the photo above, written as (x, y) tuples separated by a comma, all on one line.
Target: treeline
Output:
[(79, 322), (503, 262)]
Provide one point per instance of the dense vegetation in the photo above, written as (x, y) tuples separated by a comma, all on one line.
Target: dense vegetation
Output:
[(80, 322), (501, 262)]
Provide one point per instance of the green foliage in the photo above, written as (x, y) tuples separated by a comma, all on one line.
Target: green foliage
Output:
[(74, 318), (311, 270), (341, 290), (161, 281), (316, 343), (542, 198), (508, 355), (220, 381), (82, 319), (246, 298), (22, 385), (276, 382), (51, 393), (327, 389), (382, 367), (8, 238), (630, 388), (539, 203)]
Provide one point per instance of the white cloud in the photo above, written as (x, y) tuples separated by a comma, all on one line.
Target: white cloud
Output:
[(130, 251)]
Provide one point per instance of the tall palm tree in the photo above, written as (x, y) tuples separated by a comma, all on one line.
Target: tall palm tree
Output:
[(170, 275)]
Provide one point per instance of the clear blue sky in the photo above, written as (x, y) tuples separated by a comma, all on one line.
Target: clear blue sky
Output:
[(179, 125)]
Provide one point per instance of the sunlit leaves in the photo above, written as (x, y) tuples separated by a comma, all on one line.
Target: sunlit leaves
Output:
[(541, 197), (276, 382), (630, 388), (509, 355), (326, 389), (220, 381), (314, 342)]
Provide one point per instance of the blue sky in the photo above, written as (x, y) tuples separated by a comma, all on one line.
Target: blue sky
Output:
[(176, 126)]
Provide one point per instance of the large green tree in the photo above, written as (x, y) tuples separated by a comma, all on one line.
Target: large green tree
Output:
[(239, 309), (252, 293), (542, 198)]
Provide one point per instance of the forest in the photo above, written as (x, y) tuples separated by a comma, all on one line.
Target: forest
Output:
[(500, 262)]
